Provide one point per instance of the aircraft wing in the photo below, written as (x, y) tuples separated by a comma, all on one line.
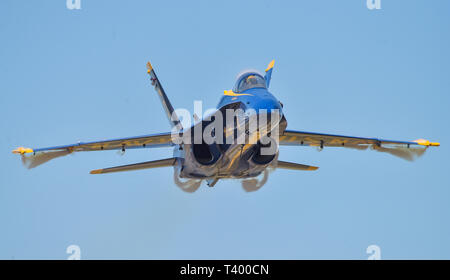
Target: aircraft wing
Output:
[(42, 155), (405, 149), (145, 141)]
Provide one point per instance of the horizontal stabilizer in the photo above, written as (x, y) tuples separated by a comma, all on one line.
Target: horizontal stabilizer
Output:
[(137, 166), (295, 166)]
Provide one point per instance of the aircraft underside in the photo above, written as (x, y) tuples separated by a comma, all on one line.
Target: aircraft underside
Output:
[(197, 161)]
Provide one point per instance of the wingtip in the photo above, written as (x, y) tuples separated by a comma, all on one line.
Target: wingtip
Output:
[(313, 168), (424, 142), (22, 150)]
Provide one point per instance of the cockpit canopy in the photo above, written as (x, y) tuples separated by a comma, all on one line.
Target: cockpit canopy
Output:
[(249, 80)]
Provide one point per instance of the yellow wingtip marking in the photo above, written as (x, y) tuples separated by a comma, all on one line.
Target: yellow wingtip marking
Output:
[(22, 150), (312, 168), (96, 171), (271, 64), (149, 67), (426, 143)]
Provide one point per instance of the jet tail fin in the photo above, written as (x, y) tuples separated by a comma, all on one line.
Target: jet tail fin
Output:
[(168, 108), (268, 75), (137, 166)]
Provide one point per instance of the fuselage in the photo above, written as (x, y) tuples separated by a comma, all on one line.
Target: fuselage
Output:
[(237, 159)]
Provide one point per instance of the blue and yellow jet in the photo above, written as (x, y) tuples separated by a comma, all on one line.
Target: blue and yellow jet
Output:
[(195, 162)]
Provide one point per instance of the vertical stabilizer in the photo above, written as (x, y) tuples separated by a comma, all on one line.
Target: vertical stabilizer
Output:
[(168, 108)]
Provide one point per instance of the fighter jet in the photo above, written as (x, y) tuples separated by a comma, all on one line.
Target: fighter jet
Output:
[(218, 146)]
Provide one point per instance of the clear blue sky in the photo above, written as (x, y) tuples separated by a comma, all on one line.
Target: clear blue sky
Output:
[(69, 75)]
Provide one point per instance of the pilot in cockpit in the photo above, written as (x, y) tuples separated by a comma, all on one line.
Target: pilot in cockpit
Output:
[(251, 81)]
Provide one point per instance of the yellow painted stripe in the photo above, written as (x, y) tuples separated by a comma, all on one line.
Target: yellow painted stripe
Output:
[(149, 67), (231, 93), (238, 154), (270, 66)]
